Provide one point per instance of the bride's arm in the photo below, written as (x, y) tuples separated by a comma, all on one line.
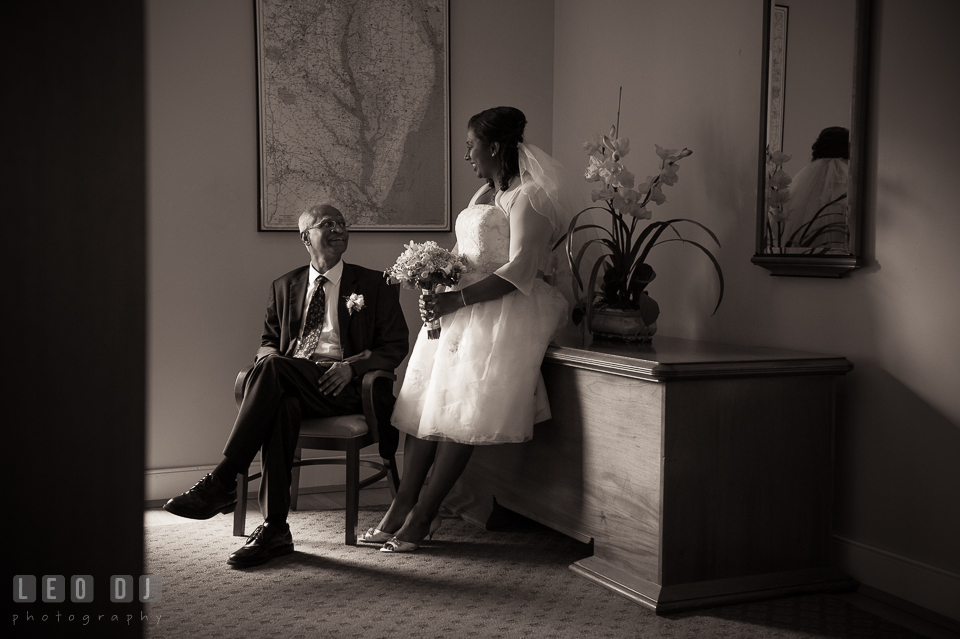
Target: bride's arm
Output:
[(433, 306), (527, 232)]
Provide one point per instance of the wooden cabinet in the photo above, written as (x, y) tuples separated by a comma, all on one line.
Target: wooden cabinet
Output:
[(702, 472)]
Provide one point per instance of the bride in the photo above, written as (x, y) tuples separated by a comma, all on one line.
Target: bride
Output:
[(480, 382)]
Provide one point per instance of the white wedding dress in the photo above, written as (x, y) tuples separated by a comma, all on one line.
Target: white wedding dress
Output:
[(813, 189), (480, 382)]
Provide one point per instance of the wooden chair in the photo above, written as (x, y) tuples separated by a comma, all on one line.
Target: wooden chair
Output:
[(347, 433)]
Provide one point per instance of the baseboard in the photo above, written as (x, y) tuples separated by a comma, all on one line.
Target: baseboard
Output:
[(904, 606), (926, 587), (163, 483)]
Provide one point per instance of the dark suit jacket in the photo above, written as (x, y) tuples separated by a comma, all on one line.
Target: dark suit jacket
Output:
[(372, 338)]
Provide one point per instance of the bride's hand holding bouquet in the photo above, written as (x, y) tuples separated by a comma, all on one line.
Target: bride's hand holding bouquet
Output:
[(427, 267)]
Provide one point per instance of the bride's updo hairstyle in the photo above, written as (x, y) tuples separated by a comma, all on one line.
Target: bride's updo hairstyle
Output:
[(833, 142), (503, 125)]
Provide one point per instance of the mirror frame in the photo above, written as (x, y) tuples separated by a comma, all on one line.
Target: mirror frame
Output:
[(821, 265)]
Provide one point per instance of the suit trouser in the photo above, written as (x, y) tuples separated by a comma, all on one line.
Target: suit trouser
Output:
[(280, 391)]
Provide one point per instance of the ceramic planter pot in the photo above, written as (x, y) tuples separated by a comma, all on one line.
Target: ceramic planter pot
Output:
[(621, 325)]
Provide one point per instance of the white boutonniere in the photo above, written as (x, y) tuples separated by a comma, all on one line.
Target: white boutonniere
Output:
[(355, 303)]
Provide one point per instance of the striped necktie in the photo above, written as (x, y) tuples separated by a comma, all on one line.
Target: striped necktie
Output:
[(313, 323)]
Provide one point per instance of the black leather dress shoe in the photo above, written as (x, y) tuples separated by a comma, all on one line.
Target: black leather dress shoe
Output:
[(266, 542), (207, 498)]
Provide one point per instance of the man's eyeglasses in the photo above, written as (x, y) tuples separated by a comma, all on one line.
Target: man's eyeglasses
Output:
[(328, 224)]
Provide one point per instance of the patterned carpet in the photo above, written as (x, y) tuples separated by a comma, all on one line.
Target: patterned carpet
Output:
[(467, 582)]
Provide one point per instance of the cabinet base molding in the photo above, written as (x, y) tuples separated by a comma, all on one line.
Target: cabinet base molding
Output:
[(707, 594)]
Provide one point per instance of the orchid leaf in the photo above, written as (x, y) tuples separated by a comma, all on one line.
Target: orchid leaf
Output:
[(562, 240), (572, 227), (610, 243), (652, 241), (835, 227), (649, 309), (569, 234), (578, 314), (806, 227), (638, 246), (709, 232), (591, 289), (575, 266), (716, 265), (669, 223), (641, 274), (593, 226)]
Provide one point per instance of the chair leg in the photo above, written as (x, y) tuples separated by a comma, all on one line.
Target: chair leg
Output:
[(352, 493), (393, 476), (240, 514), (295, 478)]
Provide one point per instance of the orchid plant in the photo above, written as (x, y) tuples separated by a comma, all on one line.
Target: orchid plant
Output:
[(777, 194), (626, 245)]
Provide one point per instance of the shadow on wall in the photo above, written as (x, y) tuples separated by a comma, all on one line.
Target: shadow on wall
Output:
[(897, 476)]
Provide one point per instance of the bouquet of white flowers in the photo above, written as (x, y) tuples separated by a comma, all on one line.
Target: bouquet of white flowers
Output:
[(426, 267)]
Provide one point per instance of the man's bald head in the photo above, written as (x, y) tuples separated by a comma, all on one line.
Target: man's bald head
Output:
[(315, 213)]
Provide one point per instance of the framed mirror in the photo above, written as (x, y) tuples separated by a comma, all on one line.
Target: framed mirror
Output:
[(812, 128)]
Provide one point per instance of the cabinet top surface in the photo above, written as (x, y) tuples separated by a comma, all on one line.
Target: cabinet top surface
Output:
[(668, 358)]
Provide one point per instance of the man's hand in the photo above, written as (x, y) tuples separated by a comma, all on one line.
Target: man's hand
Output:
[(336, 378)]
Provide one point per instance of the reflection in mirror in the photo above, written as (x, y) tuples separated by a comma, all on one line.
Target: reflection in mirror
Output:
[(808, 205), (808, 214)]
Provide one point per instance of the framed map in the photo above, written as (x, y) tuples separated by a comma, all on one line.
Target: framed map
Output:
[(353, 100)]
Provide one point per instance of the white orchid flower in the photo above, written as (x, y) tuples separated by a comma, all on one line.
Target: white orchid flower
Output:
[(592, 174), (625, 179), (780, 179), (628, 201), (777, 197), (668, 175), (592, 147), (609, 170), (666, 155), (605, 193), (618, 147), (646, 186), (657, 196), (779, 158)]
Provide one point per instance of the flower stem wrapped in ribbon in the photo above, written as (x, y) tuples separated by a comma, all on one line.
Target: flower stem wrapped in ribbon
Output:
[(427, 267)]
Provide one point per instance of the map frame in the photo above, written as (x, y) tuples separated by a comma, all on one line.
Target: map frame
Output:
[(265, 123)]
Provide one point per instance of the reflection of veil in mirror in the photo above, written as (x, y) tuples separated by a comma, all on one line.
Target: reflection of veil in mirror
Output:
[(817, 221)]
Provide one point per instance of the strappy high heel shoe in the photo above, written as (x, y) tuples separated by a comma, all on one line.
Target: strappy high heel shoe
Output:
[(396, 545), (435, 526), (375, 536)]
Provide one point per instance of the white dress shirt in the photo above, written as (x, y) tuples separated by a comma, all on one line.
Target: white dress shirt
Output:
[(329, 345)]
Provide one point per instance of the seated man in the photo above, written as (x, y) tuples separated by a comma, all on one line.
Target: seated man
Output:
[(314, 351)]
